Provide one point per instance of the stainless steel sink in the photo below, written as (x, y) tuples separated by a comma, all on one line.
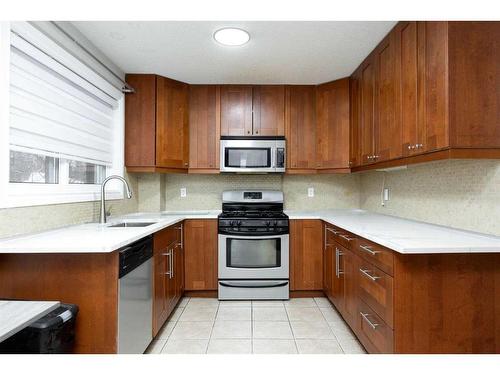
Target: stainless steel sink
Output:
[(131, 224)]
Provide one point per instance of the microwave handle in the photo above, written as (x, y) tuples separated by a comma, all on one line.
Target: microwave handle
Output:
[(274, 157)]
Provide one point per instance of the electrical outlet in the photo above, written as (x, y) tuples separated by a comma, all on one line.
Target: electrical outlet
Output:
[(310, 192), (183, 192), (386, 194)]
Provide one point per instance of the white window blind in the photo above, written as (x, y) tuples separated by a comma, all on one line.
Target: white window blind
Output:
[(59, 106)]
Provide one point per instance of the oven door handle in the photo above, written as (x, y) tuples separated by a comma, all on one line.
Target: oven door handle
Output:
[(252, 237), (251, 285)]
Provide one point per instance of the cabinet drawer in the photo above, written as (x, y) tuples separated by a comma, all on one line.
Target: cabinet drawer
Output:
[(341, 236), (375, 334), (376, 290), (380, 256), (165, 237)]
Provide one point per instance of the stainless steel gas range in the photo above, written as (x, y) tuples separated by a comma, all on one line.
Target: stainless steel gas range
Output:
[(253, 246)]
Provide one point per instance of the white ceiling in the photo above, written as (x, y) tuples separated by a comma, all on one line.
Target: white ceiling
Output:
[(278, 51)]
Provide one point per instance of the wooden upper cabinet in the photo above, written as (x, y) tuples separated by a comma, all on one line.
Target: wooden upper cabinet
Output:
[(252, 110), (156, 124), (204, 128), (269, 110), (306, 254), (300, 129), (236, 110), (387, 126), (354, 131), (432, 52), (367, 97), (172, 129), (332, 133)]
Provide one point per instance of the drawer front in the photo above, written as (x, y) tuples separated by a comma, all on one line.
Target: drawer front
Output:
[(380, 256), (341, 236), (376, 290), (375, 334), (165, 237)]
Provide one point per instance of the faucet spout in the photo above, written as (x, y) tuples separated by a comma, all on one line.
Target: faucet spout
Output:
[(102, 218)]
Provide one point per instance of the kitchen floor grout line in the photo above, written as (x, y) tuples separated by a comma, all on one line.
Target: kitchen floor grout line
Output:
[(213, 325), (291, 329)]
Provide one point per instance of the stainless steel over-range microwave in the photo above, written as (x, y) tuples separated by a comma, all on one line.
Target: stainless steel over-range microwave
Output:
[(252, 154)]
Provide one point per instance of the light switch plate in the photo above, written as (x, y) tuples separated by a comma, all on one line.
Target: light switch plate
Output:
[(183, 192), (310, 192)]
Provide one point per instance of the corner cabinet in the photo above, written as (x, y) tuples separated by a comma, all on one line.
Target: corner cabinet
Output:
[(168, 273), (156, 125)]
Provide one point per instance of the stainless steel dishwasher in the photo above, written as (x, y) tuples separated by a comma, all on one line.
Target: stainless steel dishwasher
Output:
[(135, 306)]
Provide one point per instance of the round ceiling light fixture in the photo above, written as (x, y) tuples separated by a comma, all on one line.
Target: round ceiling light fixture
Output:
[(230, 36)]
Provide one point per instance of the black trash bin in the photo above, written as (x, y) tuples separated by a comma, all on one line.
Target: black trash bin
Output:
[(53, 333)]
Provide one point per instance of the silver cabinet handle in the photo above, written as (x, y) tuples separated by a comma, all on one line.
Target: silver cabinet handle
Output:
[(172, 262), (345, 237), (338, 254), (181, 228), (367, 274), (332, 230), (376, 156), (169, 255), (365, 317), (368, 249)]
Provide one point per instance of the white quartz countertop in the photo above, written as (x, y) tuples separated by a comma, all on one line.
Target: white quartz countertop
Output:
[(403, 235), (97, 238), (16, 315)]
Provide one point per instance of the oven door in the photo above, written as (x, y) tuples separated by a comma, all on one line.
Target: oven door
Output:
[(247, 155), (253, 257)]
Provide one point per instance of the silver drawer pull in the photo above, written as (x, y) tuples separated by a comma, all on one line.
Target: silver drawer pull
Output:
[(332, 230), (366, 273), (345, 237), (365, 317), (369, 250)]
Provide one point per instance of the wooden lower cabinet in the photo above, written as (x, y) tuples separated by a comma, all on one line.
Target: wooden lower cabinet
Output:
[(200, 243), (168, 273), (306, 255), (418, 303)]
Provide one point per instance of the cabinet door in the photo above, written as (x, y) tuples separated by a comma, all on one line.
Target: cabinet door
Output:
[(407, 34), (367, 95), (204, 127), (350, 286), (332, 133), (200, 254), (433, 85), (172, 130), (306, 249), (269, 110), (388, 135), (160, 313), (140, 121), (301, 127), (354, 151), (236, 110)]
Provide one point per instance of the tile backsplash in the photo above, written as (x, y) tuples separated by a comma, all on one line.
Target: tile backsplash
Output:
[(463, 194)]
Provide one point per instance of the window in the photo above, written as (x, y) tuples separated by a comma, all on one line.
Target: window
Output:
[(63, 122)]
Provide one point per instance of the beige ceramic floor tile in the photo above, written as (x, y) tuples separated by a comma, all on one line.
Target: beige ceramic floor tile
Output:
[(301, 302), (267, 346), (234, 313), (267, 303), (304, 314), (235, 303), (183, 302), (155, 347), (206, 302), (313, 346), (341, 330), (311, 330), (230, 346), (174, 316), (185, 347), (322, 302), (352, 347), (269, 314), (191, 330), (166, 330), (194, 313), (224, 329), (272, 330), (331, 315)]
